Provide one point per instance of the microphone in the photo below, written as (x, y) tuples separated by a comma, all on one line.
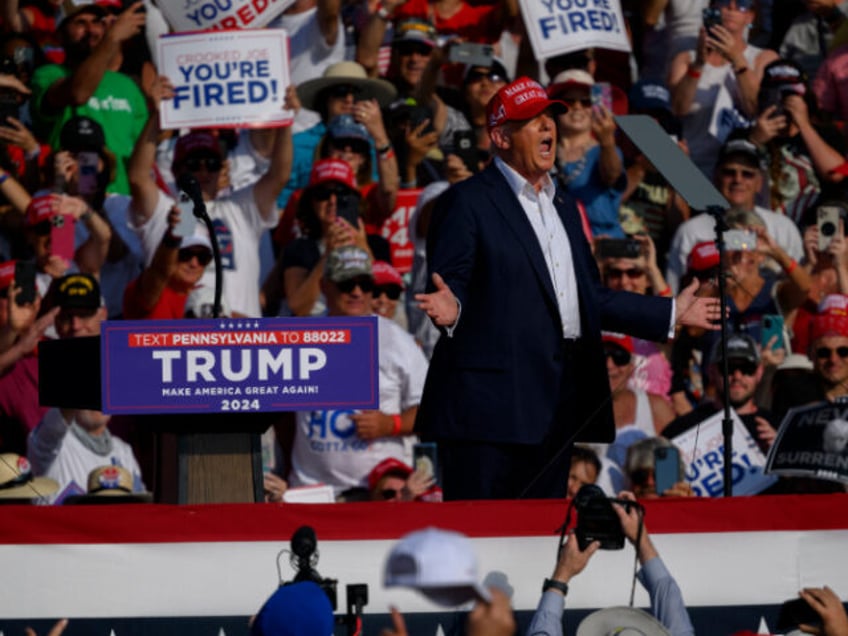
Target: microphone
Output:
[(304, 542), (189, 184)]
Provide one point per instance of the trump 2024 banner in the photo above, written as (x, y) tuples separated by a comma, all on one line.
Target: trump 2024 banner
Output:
[(225, 79), (229, 364), (562, 26)]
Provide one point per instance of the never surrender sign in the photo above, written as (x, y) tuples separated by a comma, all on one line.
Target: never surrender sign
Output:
[(226, 365)]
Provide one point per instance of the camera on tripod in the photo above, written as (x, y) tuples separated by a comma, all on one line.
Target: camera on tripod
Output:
[(597, 520), (304, 559)]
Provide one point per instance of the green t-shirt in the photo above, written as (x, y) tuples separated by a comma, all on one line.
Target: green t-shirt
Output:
[(118, 105)]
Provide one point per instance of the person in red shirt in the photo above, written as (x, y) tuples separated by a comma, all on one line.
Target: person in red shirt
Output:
[(160, 292)]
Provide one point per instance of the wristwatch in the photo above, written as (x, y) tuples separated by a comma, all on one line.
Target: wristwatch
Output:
[(557, 585)]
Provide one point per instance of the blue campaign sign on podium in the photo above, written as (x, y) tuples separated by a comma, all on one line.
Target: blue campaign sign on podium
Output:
[(227, 365)]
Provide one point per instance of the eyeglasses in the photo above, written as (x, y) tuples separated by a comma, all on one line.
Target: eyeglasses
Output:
[(619, 356), (747, 368), (731, 173), (391, 291), (364, 283), (340, 91), (211, 163), (324, 192), (741, 5), (413, 48), (824, 353), (478, 76), (389, 493), (202, 255), (571, 102), (359, 146), (631, 273)]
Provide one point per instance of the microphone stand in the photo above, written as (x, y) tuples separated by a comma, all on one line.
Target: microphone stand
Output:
[(727, 422), (200, 212)]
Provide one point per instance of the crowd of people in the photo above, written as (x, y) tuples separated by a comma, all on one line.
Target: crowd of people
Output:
[(306, 219)]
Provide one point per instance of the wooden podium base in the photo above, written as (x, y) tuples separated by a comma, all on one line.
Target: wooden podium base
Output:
[(219, 468)]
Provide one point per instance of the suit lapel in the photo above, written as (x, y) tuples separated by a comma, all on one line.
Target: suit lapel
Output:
[(504, 201)]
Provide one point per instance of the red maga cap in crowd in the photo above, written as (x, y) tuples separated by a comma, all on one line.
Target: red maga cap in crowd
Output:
[(520, 100), (385, 274), (196, 141), (332, 170), (832, 319), (703, 256), (7, 274), (389, 466), (619, 339), (41, 208)]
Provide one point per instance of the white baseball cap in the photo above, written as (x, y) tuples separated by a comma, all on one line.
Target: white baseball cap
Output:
[(440, 564), (621, 621)]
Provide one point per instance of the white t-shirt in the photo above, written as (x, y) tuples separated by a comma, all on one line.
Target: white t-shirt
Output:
[(238, 226), (326, 449), (56, 453), (702, 228), (309, 53)]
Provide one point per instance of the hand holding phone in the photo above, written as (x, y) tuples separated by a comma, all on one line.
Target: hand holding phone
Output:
[(666, 468), (771, 326), (425, 459), (62, 236), (827, 220)]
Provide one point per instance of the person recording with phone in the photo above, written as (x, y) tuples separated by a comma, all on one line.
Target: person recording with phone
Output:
[(723, 66), (667, 605), (801, 157)]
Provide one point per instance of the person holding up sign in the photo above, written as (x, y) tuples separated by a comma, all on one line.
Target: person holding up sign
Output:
[(723, 68), (239, 218)]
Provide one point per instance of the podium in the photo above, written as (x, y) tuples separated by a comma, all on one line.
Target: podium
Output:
[(207, 449)]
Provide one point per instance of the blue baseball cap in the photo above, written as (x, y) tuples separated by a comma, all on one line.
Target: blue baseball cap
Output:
[(346, 127), (649, 95), (300, 609)]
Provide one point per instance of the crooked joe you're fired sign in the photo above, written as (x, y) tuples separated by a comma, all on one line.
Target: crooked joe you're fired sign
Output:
[(237, 365)]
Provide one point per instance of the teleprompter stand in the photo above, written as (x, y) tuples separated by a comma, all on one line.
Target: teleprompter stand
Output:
[(690, 183), (208, 458)]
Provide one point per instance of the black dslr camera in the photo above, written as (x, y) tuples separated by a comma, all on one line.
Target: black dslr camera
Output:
[(596, 519)]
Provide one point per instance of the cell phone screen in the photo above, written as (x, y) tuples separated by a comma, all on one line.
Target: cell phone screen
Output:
[(666, 468)]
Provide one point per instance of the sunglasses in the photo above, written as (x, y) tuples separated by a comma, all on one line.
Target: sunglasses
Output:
[(203, 256), (412, 48), (733, 172), (641, 476), (340, 91), (747, 368), (619, 356), (571, 102), (478, 76), (211, 163), (631, 273), (741, 5), (324, 192), (347, 286), (391, 291), (358, 146), (42, 229), (824, 353), (389, 493)]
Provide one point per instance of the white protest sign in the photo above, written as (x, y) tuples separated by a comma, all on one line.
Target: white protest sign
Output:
[(705, 464), (225, 79), (562, 26), (202, 15)]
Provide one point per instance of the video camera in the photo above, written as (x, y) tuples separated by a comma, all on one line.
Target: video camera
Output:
[(596, 519)]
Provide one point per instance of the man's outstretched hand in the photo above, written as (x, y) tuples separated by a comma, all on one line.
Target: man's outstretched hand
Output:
[(692, 311), (441, 305)]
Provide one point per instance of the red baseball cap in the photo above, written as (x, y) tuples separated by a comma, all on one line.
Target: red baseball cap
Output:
[(703, 256), (332, 170), (196, 141), (41, 208), (620, 339), (518, 101), (388, 466), (832, 319), (7, 274), (385, 274)]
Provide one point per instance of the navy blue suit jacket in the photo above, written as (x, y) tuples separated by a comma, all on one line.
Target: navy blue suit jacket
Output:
[(498, 379)]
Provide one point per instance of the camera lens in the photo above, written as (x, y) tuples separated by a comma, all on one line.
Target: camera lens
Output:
[(828, 228)]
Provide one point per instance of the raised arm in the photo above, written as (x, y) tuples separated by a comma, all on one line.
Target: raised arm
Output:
[(328, 19), (268, 187)]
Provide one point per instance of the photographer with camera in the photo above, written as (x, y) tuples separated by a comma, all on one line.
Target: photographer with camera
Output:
[(667, 604)]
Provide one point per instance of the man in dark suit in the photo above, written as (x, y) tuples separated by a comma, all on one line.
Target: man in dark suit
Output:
[(519, 372)]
